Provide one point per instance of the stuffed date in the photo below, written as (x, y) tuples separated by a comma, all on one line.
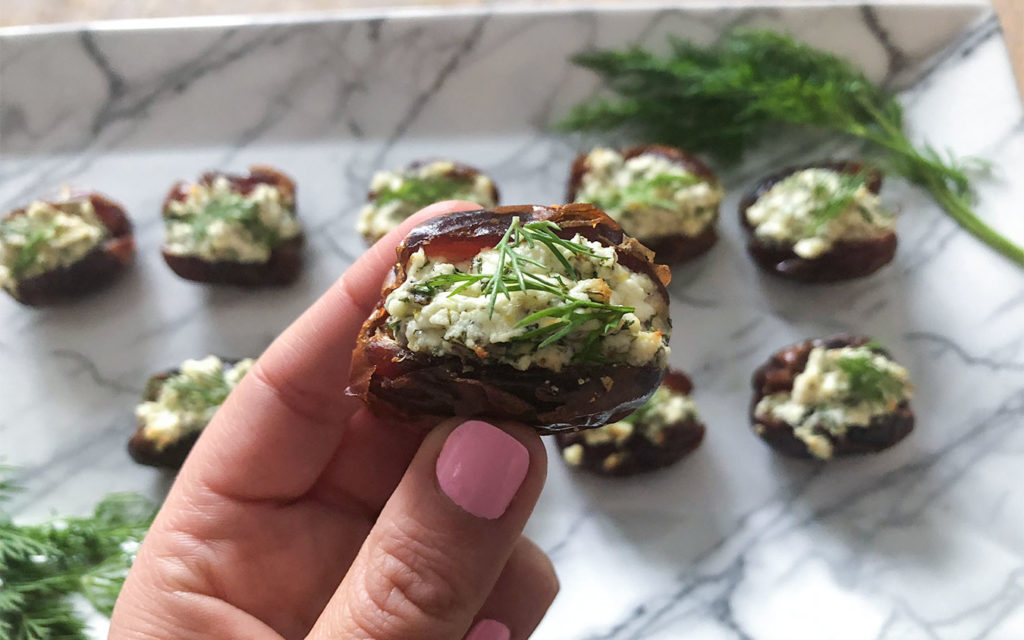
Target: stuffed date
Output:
[(56, 250), (230, 229), (549, 316), (820, 223), (830, 397), (662, 196), (396, 195), (658, 434), (177, 405)]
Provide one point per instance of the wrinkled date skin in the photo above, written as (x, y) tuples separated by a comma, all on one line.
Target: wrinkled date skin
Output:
[(671, 249), (395, 381), (95, 270), (143, 450), (285, 261), (777, 375), (848, 259), (638, 453)]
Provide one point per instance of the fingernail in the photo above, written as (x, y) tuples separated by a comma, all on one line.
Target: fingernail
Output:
[(489, 630), (480, 468)]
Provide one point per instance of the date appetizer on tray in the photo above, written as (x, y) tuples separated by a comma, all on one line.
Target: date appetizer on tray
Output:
[(662, 196), (234, 229), (549, 316), (177, 405), (60, 249), (832, 396), (396, 195), (820, 223), (658, 434)]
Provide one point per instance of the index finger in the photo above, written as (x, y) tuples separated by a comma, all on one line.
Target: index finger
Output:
[(281, 425)]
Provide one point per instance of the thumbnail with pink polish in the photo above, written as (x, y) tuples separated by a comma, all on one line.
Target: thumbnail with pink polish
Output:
[(481, 467)]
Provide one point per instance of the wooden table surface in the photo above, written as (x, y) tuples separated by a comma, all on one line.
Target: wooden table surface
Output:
[(21, 12)]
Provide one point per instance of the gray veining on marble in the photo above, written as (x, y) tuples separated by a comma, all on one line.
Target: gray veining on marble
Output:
[(923, 541)]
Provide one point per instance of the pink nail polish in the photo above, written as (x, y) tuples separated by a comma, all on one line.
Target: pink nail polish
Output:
[(480, 468), (489, 630)]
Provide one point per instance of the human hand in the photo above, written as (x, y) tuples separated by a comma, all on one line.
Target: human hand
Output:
[(301, 515)]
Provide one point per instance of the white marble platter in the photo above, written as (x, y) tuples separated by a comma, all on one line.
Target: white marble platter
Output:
[(924, 541)]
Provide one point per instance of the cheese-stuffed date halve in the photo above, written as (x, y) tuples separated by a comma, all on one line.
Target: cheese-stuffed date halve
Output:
[(658, 434), (395, 195), (664, 197), (819, 223), (231, 229), (56, 250), (830, 397), (549, 316), (177, 405)]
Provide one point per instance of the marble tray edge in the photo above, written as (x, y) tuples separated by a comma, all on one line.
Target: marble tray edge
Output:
[(427, 12)]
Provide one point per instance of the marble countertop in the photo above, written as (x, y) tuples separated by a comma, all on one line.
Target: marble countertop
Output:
[(1011, 12), (923, 541)]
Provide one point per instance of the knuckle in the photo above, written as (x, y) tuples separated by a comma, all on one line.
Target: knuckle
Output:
[(303, 402), (412, 586)]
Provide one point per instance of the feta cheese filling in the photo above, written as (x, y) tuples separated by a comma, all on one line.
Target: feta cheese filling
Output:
[(188, 399), (649, 196), (47, 236), (840, 389), (664, 409), (396, 195), (216, 222), (813, 209), (580, 305)]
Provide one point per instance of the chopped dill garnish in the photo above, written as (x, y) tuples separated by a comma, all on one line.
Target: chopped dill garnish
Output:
[(867, 380), (647, 193), (513, 274), (200, 390), (419, 191), (234, 210), (830, 202), (27, 253)]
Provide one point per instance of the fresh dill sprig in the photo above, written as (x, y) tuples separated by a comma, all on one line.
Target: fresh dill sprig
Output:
[(200, 390), (512, 274), (42, 566), (571, 317), (418, 192), (234, 210), (646, 193), (867, 380), (732, 96), (35, 238), (831, 202)]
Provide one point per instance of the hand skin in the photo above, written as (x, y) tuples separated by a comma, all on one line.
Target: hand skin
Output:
[(299, 514)]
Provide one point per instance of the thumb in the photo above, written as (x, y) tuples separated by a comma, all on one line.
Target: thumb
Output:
[(438, 547)]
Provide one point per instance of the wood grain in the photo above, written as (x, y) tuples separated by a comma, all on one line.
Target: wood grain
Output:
[(1011, 14)]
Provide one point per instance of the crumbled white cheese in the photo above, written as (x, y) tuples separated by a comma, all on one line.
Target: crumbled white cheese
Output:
[(192, 232), (187, 400), (784, 215), (46, 237), (625, 191), (376, 219), (822, 402), (665, 409), (573, 454), (444, 322)]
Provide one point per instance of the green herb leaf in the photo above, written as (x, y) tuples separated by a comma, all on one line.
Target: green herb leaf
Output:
[(752, 84), (512, 274), (654, 192), (419, 192), (867, 380), (43, 565)]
